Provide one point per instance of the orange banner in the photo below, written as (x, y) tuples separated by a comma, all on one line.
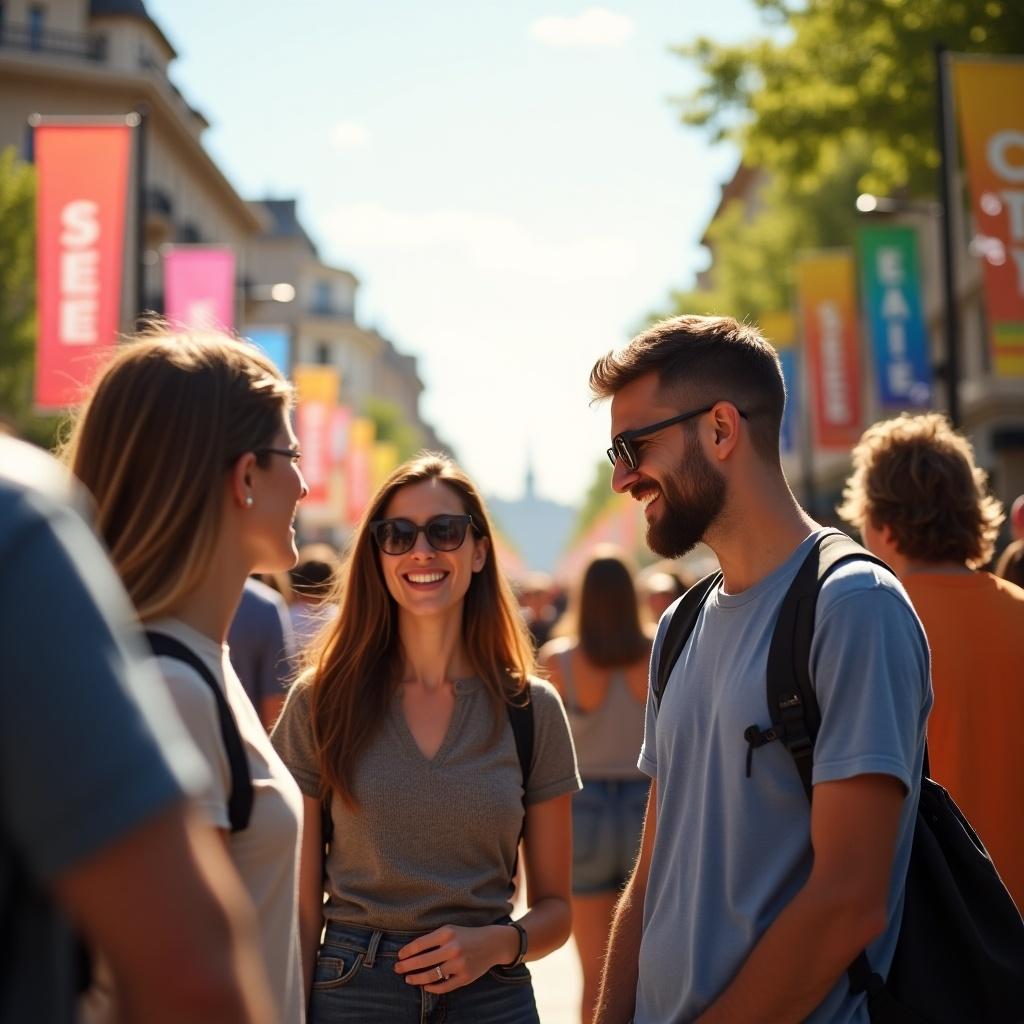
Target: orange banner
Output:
[(827, 299), (317, 388), (80, 210), (992, 129)]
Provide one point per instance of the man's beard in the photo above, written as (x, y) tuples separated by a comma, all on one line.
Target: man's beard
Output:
[(691, 499)]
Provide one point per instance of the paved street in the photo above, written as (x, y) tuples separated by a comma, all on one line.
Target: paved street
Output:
[(556, 982)]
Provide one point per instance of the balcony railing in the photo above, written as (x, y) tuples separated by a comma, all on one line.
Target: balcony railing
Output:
[(53, 42)]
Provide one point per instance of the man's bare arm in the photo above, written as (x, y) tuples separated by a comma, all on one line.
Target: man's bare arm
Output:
[(617, 1000), (164, 906), (838, 912)]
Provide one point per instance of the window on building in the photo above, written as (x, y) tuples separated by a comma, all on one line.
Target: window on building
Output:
[(322, 297), (323, 353), (36, 24)]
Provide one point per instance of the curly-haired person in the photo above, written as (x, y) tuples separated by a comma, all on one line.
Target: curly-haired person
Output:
[(921, 503)]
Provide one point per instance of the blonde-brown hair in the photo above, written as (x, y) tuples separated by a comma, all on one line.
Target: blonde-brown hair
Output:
[(162, 424), (917, 476), (359, 660)]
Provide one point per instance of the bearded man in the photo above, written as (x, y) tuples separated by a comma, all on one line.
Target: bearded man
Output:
[(746, 903)]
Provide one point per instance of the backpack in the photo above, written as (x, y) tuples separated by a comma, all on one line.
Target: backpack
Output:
[(240, 797), (960, 952)]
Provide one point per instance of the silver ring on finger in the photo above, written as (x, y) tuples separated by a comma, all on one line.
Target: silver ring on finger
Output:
[(441, 976)]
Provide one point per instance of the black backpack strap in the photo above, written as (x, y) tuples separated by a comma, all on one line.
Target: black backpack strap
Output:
[(241, 795), (520, 717), (680, 626), (792, 704)]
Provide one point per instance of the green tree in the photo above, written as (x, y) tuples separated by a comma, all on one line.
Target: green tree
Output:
[(392, 426), (836, 99), (18, 299), (597, 498)]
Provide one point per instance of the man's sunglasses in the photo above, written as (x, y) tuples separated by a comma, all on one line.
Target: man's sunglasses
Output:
[(443, 533), (622, 444)]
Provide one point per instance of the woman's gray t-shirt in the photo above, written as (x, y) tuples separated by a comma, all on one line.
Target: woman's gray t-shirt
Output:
[(432, 842)]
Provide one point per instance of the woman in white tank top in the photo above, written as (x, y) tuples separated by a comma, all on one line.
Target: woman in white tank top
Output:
[(599, 666)]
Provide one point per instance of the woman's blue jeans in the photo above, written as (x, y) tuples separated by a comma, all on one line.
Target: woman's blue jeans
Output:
[(355, 983)]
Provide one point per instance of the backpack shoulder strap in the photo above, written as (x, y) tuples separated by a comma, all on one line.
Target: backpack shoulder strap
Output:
[(241, 795), (680, 626), (792, 704), (520, 717)]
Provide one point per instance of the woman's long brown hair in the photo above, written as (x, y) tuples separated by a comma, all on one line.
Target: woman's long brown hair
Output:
[(605, 613), (359, 661)]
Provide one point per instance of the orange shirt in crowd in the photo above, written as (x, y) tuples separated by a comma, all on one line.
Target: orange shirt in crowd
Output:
[(975, 627)]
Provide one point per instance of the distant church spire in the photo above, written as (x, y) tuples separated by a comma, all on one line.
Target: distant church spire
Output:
[(529, 491)]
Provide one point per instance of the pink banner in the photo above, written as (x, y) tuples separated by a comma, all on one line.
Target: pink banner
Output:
[(199, 287)]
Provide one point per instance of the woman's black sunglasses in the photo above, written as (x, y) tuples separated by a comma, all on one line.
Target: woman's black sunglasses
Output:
[(443, 533)]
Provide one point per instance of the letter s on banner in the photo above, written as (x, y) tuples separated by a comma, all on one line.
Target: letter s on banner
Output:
[(80, 212)]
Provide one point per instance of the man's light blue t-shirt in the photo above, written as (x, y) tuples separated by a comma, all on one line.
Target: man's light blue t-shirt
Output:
[(731, 851)]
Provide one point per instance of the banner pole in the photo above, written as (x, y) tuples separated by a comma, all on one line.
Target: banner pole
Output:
[(138, 117), (947, 153)]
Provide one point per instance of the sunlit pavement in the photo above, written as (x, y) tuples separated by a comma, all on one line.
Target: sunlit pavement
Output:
[(557, 984)]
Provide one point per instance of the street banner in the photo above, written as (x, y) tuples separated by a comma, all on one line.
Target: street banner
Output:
[(780, 330), (383, 459), (274, 343), (891, 291), (992, 130), (199, 287), (340, 428), (317, 389), (80, 210), (826, 294), (359, 478)]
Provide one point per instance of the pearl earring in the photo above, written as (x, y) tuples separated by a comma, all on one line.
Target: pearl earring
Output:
[(248, 501)]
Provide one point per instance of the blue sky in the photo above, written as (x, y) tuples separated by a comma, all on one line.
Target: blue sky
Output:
[(509, 182)]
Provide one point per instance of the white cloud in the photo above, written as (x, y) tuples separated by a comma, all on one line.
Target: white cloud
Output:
[(349, 135), (481, 242), (595, 27)]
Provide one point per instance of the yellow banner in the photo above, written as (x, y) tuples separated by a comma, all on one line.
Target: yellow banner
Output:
[(992, 129), (779, 329), (316, 383), (382, 461)]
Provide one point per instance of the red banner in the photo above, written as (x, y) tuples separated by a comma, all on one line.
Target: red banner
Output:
[(80, 210)]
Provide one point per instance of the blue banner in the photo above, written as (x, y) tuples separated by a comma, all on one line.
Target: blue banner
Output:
[(275, 343), (891, 286), (790, 416)]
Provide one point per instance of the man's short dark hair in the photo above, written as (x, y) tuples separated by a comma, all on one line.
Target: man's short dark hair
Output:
[(713, 358)]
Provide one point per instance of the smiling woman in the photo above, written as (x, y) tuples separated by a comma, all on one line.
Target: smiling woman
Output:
[(416, 719), (185, 444)]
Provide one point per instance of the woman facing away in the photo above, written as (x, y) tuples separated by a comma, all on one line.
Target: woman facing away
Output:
[(185, 444), (600, 670), (404, 725)]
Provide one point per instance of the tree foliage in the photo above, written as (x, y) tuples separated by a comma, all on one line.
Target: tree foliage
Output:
[(392, 426), (599, 495), (18, 299), (838, 98)]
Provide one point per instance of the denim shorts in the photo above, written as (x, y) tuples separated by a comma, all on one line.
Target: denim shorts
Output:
[(355, 983), (607, 819)]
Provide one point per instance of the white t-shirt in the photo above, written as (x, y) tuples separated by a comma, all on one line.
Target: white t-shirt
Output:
[(266, 853)]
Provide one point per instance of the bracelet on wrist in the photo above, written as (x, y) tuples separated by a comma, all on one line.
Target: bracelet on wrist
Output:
[(524, 941)]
